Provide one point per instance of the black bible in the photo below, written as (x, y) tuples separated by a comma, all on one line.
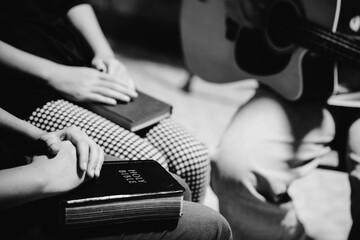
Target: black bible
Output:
[(135, 115), (126, 191)]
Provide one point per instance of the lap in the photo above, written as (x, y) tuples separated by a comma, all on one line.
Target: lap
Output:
[(168, 143), (197, 222)]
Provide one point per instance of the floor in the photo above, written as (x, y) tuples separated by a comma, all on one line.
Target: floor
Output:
[(321, 197)]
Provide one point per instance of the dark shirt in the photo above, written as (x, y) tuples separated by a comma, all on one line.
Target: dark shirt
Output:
[(39, 27)]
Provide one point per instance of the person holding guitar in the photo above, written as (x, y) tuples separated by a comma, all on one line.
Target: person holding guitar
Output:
[(305, 56)]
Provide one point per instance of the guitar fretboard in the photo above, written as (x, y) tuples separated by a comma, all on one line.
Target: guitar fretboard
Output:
[(335, 45)]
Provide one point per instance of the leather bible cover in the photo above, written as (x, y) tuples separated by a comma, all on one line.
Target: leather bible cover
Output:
[(125, 191), (135, 115)]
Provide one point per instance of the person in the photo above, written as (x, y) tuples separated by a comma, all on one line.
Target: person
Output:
[(54, 56), (57, 162), (272, 141)]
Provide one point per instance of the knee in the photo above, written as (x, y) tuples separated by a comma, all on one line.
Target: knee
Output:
[(197, 152), (205, 223), (194, 158)]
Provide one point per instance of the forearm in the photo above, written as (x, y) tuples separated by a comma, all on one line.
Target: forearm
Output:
[(23, 131), (84, 20), (43, 177), (20, 185), (25, 62)]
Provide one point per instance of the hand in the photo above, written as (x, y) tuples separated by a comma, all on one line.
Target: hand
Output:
[(83, 84), (60, 173), (90, 156), (115, 68), (248, 13)]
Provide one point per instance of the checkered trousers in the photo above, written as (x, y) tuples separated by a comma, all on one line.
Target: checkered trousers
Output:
[(167, 143)]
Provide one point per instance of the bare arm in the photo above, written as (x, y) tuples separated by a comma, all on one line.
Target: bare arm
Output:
[(25, 62), (84, 19), (90, 156), (90, 84), (47, 175), (44, 177), (23, 132)]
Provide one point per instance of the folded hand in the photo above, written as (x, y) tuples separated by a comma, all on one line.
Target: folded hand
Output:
[(90, 156)]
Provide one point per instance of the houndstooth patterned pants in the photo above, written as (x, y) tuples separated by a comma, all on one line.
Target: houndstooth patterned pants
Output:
[(168, 143)]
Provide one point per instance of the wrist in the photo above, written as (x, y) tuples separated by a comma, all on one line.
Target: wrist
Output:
[(39, 179), (104, 55), (49, 71), (32, 133)]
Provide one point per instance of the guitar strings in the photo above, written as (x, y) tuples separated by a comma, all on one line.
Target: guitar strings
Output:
[(331, 41)]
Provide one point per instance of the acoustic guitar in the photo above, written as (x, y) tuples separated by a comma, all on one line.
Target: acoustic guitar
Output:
[(304, 48)]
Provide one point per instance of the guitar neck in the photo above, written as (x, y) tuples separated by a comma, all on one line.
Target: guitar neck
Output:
[(322, 41)]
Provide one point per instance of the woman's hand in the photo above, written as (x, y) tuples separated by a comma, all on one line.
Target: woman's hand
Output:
[(59, 173), (83, 84), (90, 156), (115, 68)]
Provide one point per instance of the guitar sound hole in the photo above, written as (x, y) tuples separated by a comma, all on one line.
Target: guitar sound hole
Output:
[(253, 54), (281, 25)]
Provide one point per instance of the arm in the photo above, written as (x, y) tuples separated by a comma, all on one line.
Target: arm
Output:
[(47, 176), (26, 63), (90, 156), (90, 84), (44, 177), (18, 128), (84, 20)]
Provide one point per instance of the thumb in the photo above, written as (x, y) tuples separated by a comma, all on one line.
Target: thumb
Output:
[(50, 143), (99, 65)]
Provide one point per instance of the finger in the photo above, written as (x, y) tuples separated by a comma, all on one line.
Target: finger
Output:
[(95, 97), (132, 87), (119, 87), (112, 67), (94, 153), (82, 149), (100, 162), (80, 140), (121, 95), (125, 79), (99, 65), (113, 90), (50, 143), (131, 83)]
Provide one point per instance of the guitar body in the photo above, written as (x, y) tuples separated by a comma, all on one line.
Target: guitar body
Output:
[(289, 69)]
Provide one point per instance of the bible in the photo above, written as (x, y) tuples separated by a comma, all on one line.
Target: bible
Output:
[(126, 191), (135, 115)]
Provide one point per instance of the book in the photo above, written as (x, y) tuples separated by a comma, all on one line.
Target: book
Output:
[(135, 115), (126, 191)]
